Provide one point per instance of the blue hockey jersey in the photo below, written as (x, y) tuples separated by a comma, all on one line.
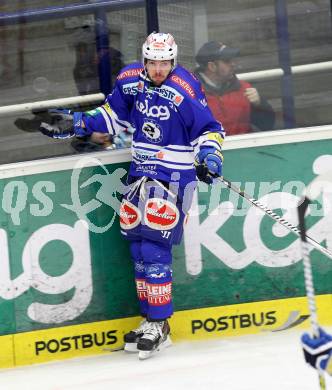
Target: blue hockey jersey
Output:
[(170, 122)]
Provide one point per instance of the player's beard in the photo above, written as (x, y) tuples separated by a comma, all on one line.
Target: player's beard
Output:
[(159, 78)]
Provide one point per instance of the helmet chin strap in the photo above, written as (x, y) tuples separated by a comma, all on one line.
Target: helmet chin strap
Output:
[(145, 74)]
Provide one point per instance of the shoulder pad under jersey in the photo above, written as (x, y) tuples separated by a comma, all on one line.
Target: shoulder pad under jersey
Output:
[(185, 81), (130, 72)]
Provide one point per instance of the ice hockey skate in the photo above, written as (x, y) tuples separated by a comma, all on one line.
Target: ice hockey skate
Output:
[(131, 338), (156, 338)]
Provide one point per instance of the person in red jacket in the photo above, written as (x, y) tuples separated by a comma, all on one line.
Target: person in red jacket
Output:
[(235, 103)]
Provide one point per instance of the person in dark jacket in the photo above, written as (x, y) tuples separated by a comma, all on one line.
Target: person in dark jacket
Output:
[(235, 103)]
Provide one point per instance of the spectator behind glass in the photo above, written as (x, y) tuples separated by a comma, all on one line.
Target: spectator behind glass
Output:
[(233, 102), (85, 71)]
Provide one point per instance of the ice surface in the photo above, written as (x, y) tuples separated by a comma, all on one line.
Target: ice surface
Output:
[(268, 361)]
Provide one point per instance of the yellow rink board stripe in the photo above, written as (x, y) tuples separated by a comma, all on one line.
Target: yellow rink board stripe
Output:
[(197, 324), (71, 341), (248, 318), (7, 351)]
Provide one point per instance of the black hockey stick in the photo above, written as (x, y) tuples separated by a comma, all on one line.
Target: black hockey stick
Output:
[(276, 217)]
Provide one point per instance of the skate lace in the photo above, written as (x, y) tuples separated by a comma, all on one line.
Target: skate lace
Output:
[(154, 331)]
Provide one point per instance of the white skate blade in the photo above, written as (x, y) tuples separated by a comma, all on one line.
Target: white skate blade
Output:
[(143, 355), (130, 347)]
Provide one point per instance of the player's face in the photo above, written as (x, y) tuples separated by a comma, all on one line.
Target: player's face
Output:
[(158, 70)]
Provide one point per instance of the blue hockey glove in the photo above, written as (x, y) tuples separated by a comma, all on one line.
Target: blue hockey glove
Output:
[(318, 351), (62, 123), (208, 164)]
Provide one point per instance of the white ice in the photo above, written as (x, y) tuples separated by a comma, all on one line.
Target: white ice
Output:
[(268, 361)]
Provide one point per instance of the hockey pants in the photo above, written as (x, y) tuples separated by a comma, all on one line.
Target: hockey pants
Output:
[(152, 220)]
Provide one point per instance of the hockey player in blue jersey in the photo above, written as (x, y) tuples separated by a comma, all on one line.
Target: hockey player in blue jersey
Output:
[(175, 140)]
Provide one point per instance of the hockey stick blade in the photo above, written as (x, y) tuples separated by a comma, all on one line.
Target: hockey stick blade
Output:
[(121, 348)]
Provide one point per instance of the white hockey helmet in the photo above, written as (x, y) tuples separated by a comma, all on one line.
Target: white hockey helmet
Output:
[(160, 47)]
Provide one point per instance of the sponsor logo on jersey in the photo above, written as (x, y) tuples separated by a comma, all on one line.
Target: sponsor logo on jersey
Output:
[(183, 84), (142, 155), (147, 169), (140, 86), (203, 102), (178, 99), (159, 294), (152, 131), (160, 214), (160, 155), (130, 216), (93, 112), (160, 112), (130, 73), (168, 93), (130, 89)]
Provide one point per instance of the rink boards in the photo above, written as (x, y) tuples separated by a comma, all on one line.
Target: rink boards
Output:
[(198, 324), (66, 280), (106, 336)]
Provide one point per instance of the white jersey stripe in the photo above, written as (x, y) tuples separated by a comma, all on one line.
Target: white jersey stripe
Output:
[(176, 156), (212, 143), (168, 164), (107, 121), (157, 147), (185, 167), (204, 137), (114, 125)]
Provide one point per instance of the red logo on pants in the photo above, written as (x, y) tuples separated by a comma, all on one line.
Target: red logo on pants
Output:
[(161, 214), (130, 216)]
